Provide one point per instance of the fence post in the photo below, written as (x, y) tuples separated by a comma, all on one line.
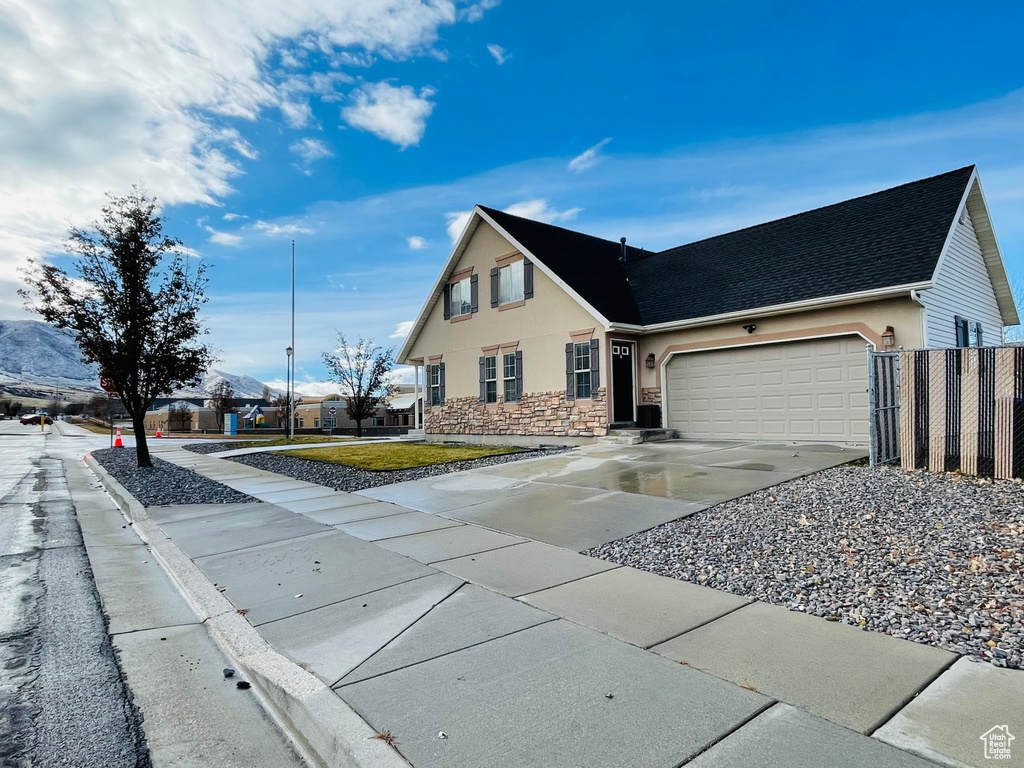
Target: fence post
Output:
[(872, 409)]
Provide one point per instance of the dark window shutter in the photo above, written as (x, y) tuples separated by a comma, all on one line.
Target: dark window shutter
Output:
[(962, 337), (595, 365), (441, 368), (474, 293), (570, 374), (527, 279), (519, 375), (483, 384), (494, 288), (448, 302), (977, 331)]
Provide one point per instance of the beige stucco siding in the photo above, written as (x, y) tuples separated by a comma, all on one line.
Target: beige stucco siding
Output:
[(867, 318), (541, 326)]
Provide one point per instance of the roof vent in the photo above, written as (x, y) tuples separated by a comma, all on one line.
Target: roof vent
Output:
[(622, 242)]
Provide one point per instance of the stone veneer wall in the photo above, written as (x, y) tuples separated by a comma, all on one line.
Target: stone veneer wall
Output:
[(539, 413), (650, 395)]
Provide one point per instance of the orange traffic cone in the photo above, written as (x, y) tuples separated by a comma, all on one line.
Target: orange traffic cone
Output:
[(158, 431), (117, 442)]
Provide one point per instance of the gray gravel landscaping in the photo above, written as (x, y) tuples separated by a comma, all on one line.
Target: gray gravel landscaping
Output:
[(345, 478), (931, 558), (164, 483)]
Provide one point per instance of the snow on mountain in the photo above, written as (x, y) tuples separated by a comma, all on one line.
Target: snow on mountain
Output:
[(37, 354)]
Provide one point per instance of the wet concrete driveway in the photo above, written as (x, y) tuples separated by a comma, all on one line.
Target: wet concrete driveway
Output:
[(597, 494)]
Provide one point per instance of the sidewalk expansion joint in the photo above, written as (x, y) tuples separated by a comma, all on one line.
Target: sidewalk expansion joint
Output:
[(196, 623), (718, 740), (338, 685), (337, 602), (698, 626), (472, 554), (255, 546), (559, 584), (896, 710)]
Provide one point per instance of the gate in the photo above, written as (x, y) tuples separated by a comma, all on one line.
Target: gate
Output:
[(884, 406)]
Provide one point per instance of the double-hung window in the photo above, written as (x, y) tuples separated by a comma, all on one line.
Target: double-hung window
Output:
[(581, 369), (510, 283), (436, 384), (491, 379), (511, 388), (461, 298)]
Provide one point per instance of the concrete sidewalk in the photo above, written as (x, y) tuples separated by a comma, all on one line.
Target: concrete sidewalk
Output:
[(473, 647)]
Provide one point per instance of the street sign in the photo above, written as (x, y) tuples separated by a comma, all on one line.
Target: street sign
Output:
[(107, 385), (332, 410)]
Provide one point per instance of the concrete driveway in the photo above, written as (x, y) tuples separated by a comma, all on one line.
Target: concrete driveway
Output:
[(597, 494)]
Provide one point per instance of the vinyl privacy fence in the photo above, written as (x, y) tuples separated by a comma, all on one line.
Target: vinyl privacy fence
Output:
[(962, 410)]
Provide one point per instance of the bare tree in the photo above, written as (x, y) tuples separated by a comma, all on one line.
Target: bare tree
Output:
[(362, 371), (222, 400), (179, 418), (133, 308)]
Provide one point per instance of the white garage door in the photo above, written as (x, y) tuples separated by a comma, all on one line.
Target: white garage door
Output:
[(796, 390)]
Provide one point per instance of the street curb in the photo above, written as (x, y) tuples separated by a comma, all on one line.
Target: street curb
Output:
[(330, 733)]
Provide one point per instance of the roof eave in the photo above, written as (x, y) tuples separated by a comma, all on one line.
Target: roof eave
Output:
[(453, 258), (777, 309)]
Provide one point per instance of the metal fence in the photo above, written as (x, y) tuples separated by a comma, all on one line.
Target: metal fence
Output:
[(884, 404), (962, 410)]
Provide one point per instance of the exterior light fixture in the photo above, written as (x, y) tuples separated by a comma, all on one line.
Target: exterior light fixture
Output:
[(889, 337), (750, 328), (650, 360)]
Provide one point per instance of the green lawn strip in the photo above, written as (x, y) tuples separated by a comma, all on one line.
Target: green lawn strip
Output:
[(399, 455), (286, 441)]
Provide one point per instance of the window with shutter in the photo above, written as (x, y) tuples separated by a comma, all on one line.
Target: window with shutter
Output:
[(582, 380), (510, 378), (490, 379)]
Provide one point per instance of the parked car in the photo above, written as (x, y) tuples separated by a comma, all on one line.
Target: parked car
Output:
[(36, 418)]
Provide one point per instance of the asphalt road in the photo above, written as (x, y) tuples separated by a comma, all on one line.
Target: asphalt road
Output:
[(63, 698)]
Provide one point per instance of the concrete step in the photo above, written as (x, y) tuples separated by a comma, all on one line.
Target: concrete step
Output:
[(636, 436)]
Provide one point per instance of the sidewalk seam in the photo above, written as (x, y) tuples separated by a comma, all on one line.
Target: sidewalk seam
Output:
[(320, 723)]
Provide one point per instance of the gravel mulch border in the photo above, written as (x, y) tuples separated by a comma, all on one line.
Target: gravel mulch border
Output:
[(344, 478), (165, 483), (936, 559)]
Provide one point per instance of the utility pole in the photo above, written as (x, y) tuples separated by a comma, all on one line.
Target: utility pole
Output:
[(291, 400)]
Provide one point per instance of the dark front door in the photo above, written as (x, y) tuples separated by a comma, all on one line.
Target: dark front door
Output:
[(623, 366)]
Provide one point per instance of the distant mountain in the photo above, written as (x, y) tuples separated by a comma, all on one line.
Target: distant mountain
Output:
[(37, 354), (244, 386)]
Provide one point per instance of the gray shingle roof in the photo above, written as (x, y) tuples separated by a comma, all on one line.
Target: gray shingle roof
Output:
[(885, 239)]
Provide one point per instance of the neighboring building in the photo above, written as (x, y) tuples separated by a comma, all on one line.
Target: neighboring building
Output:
[(173, 418), (760, 334), (315, 412)]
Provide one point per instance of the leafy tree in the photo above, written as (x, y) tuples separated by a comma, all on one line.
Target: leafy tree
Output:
[(134, 307), (98, 406), (15, 408), (362, 371), (74, 409), (5, 406), (222, 400)]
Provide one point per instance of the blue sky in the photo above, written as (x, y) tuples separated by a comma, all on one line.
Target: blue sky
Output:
[(364, 129)]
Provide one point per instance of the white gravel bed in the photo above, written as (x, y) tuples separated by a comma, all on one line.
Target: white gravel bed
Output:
[(935, 559), (350, 479), (165, 483)]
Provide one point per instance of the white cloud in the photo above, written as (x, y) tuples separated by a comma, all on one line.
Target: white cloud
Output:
[(276, 230), (417, 243), (393, 113), (309, 151), (224, 238), (589, 157), (500, 54), (541, 210), (402, 329), (476, 11), (233, 216), (457, 221), (94, 98)]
